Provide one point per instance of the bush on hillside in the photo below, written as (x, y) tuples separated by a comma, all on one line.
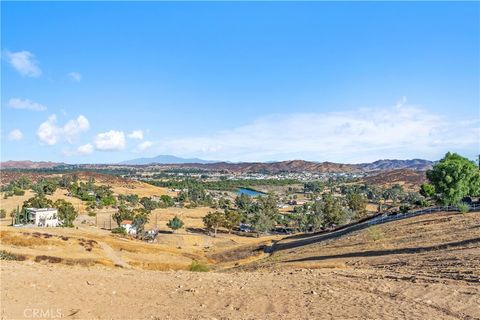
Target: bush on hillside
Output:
[(463, 207), (119, 230), (197, 266)]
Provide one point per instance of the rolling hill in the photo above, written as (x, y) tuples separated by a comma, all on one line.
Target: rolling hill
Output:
[(243, 167), (164, 159)]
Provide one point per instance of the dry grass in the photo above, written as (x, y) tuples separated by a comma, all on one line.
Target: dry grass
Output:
[(78, 204), (192, 218), (141, 189), (158, 266), (22, 239), (13, 202), (86, 246)]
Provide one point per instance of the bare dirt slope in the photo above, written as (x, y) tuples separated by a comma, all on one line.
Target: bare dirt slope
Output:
[(433, 246), (421, 268), (94, 293)]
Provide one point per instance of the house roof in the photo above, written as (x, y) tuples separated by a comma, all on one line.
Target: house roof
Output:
[(126, 222), (41, 209)]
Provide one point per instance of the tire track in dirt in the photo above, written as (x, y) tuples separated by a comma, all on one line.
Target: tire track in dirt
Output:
[(110, 253)]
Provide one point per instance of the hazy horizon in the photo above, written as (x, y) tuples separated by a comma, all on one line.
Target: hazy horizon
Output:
[(105, 82), (475, 159)]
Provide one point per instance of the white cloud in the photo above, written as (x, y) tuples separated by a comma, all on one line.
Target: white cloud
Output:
[(136, 134), (110, 141), (359, 135), (24, 62), (15, 135), (75, 76), (143, 146), (17, 103), (50, 133), (73, 127), (86, 149)]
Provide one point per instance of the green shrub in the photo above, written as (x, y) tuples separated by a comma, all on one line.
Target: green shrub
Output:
[(197, 266), (374, 233), (5, 255), (92, 214), (404, 208), (175, 224), (463, 207), (3, 213), (119, 230), (18, 192)]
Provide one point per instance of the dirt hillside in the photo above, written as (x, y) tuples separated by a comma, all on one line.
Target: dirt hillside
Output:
[(408, 269)]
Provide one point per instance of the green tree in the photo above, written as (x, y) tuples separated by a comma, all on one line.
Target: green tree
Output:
[(65, 181), (357, 203), (393, 193), (167, 200), (262, 222), (66, 212), (148, 203), (140, 218), (224, 203), (268, 205), (427, 190), (232, 220), (108, 200), (39, 201), (332, 211), (316, 217), (301, 220), (313, 186), (123, 213), (130, 198), (175, 223), (243, 202), (213, 221), (454, 177), (45, 186)]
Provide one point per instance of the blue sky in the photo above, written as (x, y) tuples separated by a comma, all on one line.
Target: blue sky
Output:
[(90, 82)]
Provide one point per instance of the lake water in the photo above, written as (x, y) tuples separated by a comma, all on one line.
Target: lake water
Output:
[(249, 192)]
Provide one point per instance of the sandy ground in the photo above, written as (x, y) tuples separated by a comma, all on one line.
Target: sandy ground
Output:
[(407, 269), (96, 293)]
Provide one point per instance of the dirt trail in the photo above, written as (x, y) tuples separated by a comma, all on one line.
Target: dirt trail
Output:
[(110, 253)]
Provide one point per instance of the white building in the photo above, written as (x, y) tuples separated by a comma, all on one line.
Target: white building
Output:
[(44, 217), (128, 226)]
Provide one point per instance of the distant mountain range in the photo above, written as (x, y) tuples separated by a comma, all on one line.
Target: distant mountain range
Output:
[(27, 164), (245, 167), (165, 159), (308, 166), (415, 164)]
